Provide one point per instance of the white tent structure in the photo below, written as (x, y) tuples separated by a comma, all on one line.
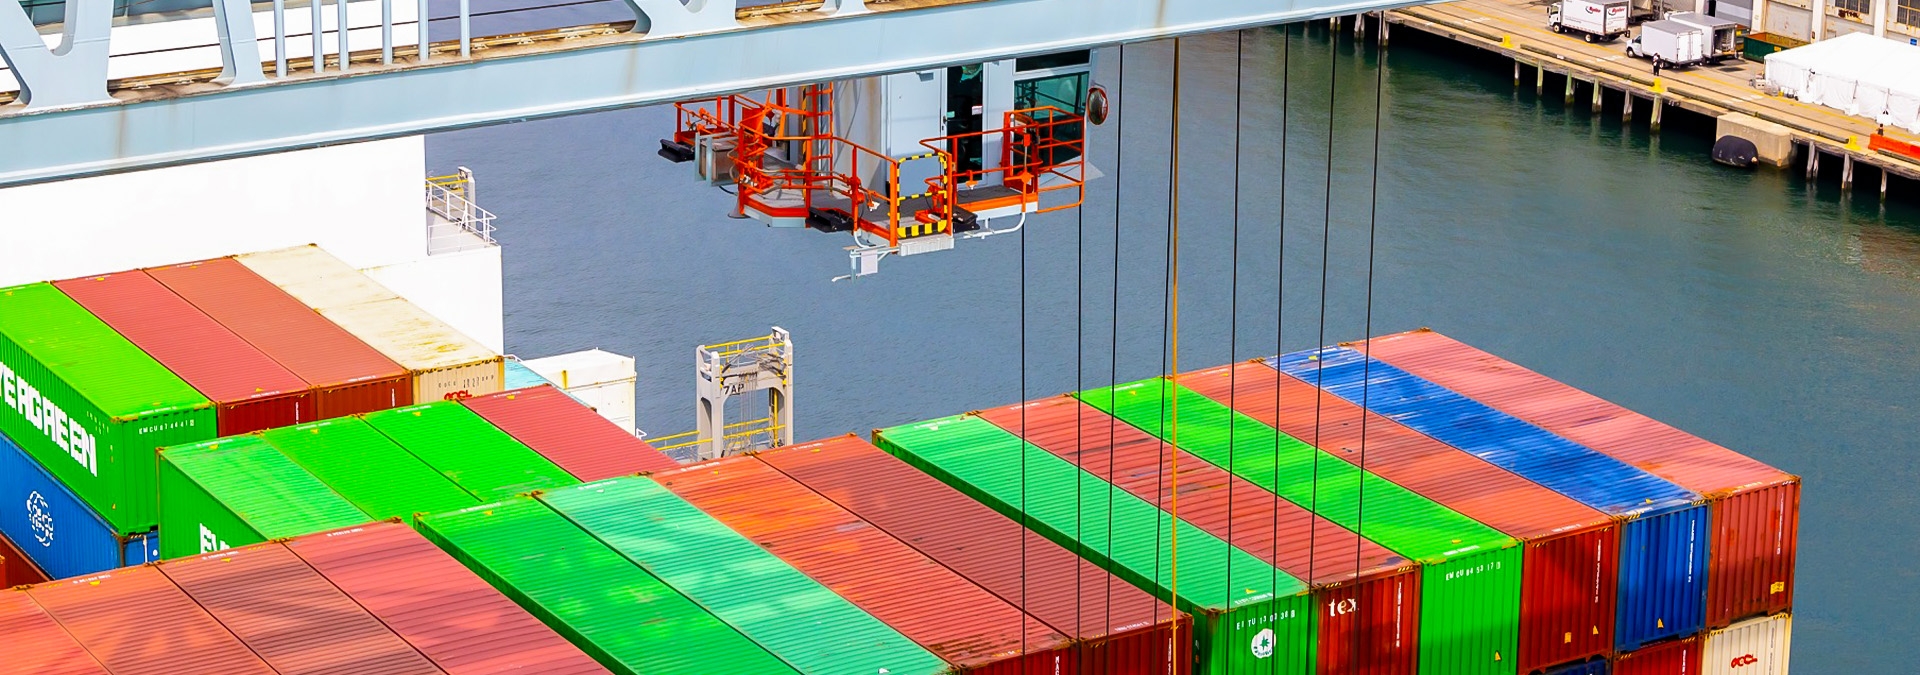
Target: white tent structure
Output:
[(1858, 73)]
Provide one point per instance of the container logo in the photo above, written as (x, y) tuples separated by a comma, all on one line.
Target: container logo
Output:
[(40, 518), (65, 431), (210, 543), (1744, 660), (1263, 643), (1340, 607)]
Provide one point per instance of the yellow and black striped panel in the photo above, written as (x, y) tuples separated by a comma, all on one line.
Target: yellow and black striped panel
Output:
[(919, 229)]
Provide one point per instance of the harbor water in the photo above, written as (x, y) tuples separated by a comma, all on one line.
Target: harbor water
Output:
[(1776, 317)]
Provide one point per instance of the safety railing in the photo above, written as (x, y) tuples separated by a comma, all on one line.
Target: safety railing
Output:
[(1042, 151), (462, 225), (752, 434)]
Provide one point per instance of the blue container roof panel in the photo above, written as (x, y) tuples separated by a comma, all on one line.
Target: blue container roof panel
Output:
[(1571, 469)]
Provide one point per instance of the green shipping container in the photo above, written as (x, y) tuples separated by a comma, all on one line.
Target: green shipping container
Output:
[(1470, 581), (89, 405), (237, 491), (622, 616), (380, 478), (1248, 616), (469, 450), (800, 621)]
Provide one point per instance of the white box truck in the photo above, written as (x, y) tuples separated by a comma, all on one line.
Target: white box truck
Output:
[(1671, 44), (1594, 20), (1722, 35)]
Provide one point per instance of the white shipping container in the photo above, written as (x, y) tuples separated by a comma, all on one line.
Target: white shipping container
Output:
[(1753, 647), (600, 379), (445, 363)]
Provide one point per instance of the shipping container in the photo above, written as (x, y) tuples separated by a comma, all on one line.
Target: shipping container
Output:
[(1367, 596), (237, 491), (1570, 565), (58, 532), (569, 434), (347, 376), (290, 616), (250, 391), (1598, 667), (519, 376), (1680, 656), (134, 620), (53, 651), (1755, 508), (1120, 629), (1663, 541), (468, 450), (940, 610), (618, 613), (794, 617), (1471, 574), (1757, 646), (445, 364), (89, 405), (1248, 616), (451, 616), (16, 569), (380, 478)]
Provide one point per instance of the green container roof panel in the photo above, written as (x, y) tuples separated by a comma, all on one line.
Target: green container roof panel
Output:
[(626, 618), (104, 367), (1396, 517), (791, 615), (260, 486), (469, 450), (370, 471)]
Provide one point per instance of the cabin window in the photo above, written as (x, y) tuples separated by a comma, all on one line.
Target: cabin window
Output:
[(1066, 92), (1908, 13), (1861, 7)]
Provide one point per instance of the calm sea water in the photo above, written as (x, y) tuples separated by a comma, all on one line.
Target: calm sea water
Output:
[(1778, 318)]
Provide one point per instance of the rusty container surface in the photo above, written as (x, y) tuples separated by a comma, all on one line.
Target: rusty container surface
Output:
[(569, 434)]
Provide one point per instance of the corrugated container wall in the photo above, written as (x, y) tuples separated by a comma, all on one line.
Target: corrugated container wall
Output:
[(602, 602), (1755, 507), (1367, 596), (1120, 629), (470, 451), (60, 534), (440, 608), (1570, 567), (1248, 616), (1663, 540), (569, 434), (54, 651), (237, 491), (89, 405), (16, 569), (380, 478), (346, 375), (791, 615), (134, 620), (446, 364), (250, 391), (1471, 574), (1672, 657), (1757, 646), (942, 611)]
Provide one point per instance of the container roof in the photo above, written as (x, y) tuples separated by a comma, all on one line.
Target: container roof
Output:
[(104, 367), (569, 434), (468, 450), (274, 495), (380, 478)]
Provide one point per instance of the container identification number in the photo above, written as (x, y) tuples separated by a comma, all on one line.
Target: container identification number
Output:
[(1476, 569), (65, 431), (1270, 618)]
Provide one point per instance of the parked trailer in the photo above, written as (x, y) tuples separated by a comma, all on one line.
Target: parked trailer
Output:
[(1670, 44), (1723, 36), (1594, 20)]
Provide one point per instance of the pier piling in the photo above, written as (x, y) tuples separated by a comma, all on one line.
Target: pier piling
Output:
[(1539, 81), (1569, 97), (1653, 123), (1846, 172), (1597, 89), (1626, 106)]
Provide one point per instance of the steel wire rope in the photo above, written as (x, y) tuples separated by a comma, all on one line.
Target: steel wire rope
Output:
[(1113, 340), (1167, 483), (1079, 365), (1366, 372), (1020, 444), (1233, 294), (1280, 298), (1326, 247)]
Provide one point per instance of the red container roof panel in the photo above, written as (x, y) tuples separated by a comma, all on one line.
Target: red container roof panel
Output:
[(1061, 589), (137, 622), (16, 569), (289, 615), (434, 603), (569, 434), (289, 332), (1689, 461), (1292, 538), (930, 604), (36, 644)]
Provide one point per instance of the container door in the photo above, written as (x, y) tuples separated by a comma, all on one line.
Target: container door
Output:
[(1754, 647)]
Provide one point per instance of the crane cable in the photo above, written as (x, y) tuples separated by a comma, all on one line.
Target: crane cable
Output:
[(1173, 359)]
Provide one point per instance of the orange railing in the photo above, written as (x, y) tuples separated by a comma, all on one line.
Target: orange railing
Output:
[(1036, 144)]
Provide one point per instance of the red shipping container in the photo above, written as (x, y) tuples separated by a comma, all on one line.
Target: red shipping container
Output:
[(1378, 636), (1754, 508), (36, 644), (135, 621), (347, 376), (16, 569), (1570, 566), (446, 612), (1673, 657), (571, 435), (290, 616), (945, 613), (250, 391), (1120, 629)]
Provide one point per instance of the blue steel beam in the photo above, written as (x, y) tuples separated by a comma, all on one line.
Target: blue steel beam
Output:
[(684, 54)]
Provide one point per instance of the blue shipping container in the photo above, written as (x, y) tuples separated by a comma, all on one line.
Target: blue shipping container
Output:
[(1587, 668), (1663, 550), (53, 527)]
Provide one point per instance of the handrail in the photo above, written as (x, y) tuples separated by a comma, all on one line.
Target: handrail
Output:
[(1028, 142)]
